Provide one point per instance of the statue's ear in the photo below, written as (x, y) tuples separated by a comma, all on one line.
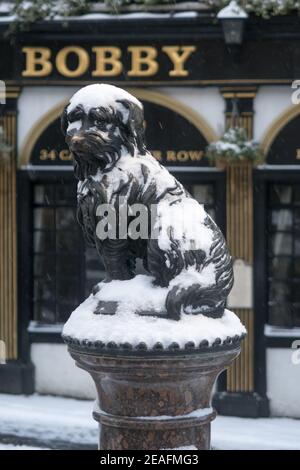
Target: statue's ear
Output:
[(135, 117), (64, 121)]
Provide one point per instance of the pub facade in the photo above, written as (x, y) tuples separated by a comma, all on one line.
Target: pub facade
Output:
[(189, 80)]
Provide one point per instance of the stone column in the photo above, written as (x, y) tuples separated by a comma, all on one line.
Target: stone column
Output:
[(16, 375), (240, 397), (8, 229)]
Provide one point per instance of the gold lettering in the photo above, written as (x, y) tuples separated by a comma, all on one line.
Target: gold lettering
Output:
[(143, 61), (182, 156), (37, 62), (171, 156), (45, 155), (178, 56), (107, 61), (298, 154), (196, 155), (65, 155), (83, 61)]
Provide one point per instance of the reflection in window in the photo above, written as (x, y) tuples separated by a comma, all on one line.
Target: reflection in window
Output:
[(284, 255)]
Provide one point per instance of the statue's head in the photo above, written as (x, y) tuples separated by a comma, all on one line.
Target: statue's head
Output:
[(100, 122)]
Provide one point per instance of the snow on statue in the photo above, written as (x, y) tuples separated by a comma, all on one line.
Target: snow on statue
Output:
[(183, 250)]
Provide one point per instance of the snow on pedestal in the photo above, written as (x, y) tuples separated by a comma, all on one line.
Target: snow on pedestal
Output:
[(126, 326)]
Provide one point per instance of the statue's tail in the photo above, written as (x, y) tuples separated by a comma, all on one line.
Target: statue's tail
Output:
[(196, 299), (204, 291)]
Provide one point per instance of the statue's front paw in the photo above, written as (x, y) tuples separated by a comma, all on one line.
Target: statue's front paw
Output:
[(95, 289)]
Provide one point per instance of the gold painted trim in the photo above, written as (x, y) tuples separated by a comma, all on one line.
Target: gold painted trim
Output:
[(11, 95), (227, 95), (276, 126), (172, 83), (239, 89), (12, 91), (147, 95)]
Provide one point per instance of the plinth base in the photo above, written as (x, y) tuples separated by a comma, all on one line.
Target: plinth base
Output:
[(154, 400)]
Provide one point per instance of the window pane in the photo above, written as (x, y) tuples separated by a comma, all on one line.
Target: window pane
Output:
[(281, 315), (57, 275), (44, 289), (66, 194), (63, 311), (284, 245), (44, 312), (296, 195), (297, 219), (44, 266), (297, 267), (281, 219), (279, 292), (281, 244), (296, 315), (68, 241), (297, 245), (66, 218), (281, 267), (44, 241), (44, 194), (296, 292), (68, 289), (44, 218), (67, 264), (280, 194)]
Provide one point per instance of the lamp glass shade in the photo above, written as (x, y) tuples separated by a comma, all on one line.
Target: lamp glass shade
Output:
[(233, 29)]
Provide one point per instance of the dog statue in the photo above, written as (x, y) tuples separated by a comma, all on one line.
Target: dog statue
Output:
[(104, 129)]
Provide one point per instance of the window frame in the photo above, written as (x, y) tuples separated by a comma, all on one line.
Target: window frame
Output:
[(262, 177)]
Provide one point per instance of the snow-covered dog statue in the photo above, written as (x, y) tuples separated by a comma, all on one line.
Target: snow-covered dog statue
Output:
[(104, 128)]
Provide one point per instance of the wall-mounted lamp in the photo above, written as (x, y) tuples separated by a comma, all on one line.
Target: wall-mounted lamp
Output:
[(233, 19)]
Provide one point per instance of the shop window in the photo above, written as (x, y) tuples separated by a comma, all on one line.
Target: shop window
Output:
[(64, 268), (284, 255)]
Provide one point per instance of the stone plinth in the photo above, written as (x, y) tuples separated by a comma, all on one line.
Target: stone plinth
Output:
[(154, 399)]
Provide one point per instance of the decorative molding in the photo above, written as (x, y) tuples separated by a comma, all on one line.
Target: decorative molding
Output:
[(37, 130), (240, 215), (111, 348), (244, 97), (12, 91), (276, 126), (240, 239)]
